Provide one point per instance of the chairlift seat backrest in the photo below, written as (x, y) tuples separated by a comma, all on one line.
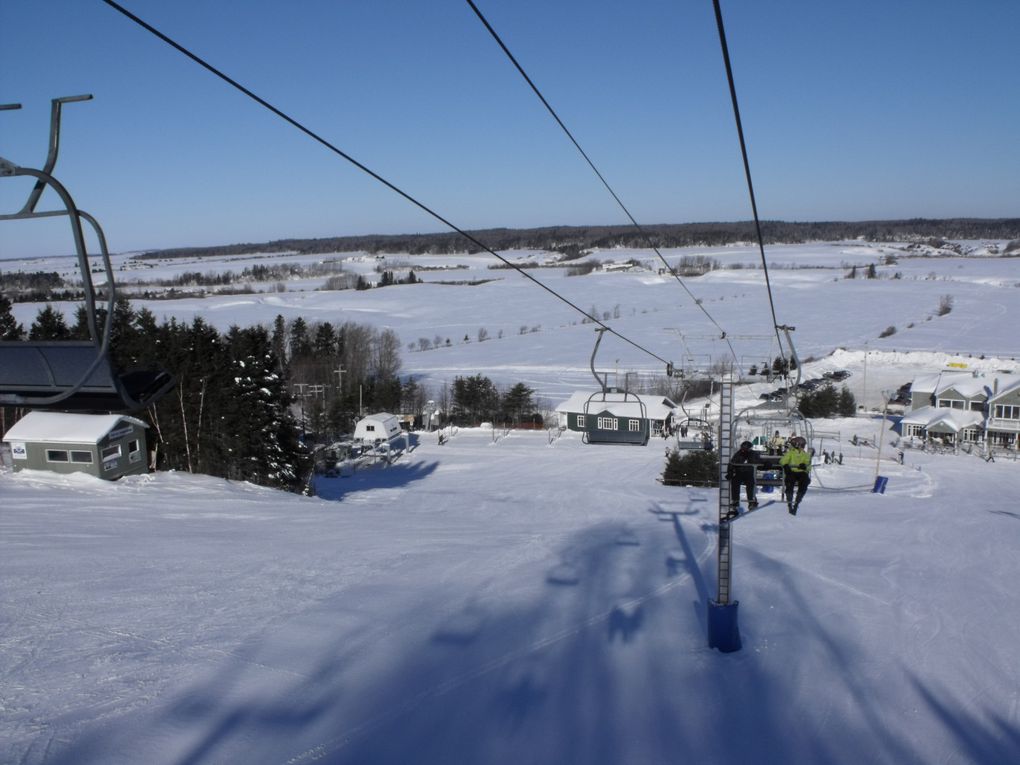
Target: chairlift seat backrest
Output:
[(35, 374)]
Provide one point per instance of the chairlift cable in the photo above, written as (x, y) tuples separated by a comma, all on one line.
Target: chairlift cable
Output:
[(591, 164), (747, 164), (365, 169)]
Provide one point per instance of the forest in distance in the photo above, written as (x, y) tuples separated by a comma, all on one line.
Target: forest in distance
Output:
[(573, 239)]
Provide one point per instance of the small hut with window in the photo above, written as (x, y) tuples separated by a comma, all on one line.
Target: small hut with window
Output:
[(104, 445), (615, 416)]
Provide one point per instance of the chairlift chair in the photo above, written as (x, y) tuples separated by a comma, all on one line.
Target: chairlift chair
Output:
[(72, 376), (591, 406)]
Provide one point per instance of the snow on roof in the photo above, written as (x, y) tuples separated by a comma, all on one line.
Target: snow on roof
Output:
[(943, 418), (657, 407), (60, 427), (378, 417), (1007, 385)]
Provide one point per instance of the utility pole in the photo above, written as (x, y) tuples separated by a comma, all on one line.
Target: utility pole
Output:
[(339, 372)]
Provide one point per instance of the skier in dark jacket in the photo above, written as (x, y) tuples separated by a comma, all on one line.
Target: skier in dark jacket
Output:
[(741, 472)]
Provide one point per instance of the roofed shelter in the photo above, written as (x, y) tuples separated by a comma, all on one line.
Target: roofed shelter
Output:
[(104, 445)]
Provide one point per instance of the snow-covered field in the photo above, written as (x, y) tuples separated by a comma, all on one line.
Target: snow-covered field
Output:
[(522, 601)]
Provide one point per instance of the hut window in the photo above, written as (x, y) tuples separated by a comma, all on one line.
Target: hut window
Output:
[(56, 455), (111, 452), (83, 457), (607, 423), (634, 425), (580, 421), (370, 428)]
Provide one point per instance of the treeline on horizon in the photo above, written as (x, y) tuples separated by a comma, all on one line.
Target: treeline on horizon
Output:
[(570, 238)]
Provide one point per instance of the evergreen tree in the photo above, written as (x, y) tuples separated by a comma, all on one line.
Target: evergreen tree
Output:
[(300, 345), (847, 404), (10, 329), (518, 402), (324, 344), (696, 468), (265, 447), (49, 324), (475, 399), (279, 342)]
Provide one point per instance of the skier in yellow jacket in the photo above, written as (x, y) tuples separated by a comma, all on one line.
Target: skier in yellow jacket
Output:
[(796, 464)]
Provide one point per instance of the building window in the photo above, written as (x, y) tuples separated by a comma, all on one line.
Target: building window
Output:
[(1007, 412), (56, 455), (82, 457), (111, 452), (976, 406), (634, 426), (951, 403), (607, 423), (970, 435), (579, 422), (370, 428)]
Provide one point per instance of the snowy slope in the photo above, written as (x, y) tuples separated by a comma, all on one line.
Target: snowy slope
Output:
[(509, 602)]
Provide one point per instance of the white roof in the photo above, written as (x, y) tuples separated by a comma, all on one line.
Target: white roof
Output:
[(965, 383), (60, 427), (378, 417), (1007, 385), (944, 418), (657, 407)]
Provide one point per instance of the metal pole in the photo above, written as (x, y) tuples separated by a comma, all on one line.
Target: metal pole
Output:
[(723, 628)]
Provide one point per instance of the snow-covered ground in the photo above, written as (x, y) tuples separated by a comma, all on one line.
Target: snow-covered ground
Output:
[(526, 601), (545, 344), (515, 601)]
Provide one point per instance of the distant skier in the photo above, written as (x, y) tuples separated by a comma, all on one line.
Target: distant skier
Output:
[(776, 444), (741, 472), (796, 464)]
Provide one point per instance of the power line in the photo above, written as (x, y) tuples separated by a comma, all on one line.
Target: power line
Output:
[(591, 164), (316, 137), (747, 164)]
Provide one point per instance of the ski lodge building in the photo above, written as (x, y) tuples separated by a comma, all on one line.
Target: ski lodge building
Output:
[(104, 445), (376, 429), (964, 407), (615, 416)]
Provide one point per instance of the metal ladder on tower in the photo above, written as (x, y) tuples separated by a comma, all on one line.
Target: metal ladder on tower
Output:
[(725, 450)]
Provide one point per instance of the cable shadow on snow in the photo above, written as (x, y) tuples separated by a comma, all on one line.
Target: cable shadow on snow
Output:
[(440, 674)]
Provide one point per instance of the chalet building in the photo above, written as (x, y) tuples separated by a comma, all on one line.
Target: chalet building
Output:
[(377, 428), (964, 407), (104, 445), (615, 416)]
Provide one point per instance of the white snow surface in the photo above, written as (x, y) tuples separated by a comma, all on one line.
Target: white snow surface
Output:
[(512, 600)]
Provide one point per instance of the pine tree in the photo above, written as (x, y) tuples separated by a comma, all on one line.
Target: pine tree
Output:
[(697, 468), (265, 448), (518, 402), (10, 329), (847, 405), (49, 324)]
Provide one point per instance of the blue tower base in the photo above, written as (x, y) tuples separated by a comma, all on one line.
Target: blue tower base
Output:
[(723, 629)]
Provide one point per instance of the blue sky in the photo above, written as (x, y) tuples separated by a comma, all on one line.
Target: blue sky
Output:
[(852, 111)]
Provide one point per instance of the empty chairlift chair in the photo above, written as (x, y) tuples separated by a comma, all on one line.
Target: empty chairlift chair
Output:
[(72, 376)]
